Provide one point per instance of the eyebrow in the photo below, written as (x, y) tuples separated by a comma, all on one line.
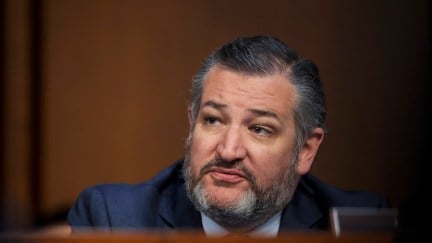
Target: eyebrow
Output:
[(214, 104), (264, 113), (257, 112)]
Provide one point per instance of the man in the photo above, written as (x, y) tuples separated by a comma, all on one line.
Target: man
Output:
[(256, 122)]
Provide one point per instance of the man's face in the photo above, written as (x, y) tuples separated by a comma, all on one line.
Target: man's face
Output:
[(241, 147)]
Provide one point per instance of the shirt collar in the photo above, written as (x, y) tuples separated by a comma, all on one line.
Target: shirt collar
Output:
[(268, 229)]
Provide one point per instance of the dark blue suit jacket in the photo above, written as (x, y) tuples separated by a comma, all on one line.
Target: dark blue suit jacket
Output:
[(162, 203)]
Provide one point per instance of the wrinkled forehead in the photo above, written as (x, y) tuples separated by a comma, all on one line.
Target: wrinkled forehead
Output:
[(268, 91)]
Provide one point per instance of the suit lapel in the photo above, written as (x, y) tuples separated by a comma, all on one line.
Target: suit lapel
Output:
[(302, 212), (177, 211)]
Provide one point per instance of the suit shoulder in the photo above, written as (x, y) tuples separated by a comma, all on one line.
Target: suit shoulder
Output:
[(337, 197), (125, 204)]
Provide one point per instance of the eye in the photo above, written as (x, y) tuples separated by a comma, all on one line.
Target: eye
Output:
[(212, 121), (262, 131)]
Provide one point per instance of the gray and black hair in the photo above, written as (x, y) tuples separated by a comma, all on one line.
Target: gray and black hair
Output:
[(265, 55)]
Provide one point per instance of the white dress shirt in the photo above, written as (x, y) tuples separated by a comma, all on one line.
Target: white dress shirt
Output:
[(269, 229)]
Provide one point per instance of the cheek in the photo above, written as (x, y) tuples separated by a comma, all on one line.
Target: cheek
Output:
[(202, 150), (269, 165)]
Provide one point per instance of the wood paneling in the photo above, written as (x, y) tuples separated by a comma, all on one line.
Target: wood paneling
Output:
[(115, 77)]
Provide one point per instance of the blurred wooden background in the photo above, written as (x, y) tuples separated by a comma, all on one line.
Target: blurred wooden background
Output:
[(95, 91)]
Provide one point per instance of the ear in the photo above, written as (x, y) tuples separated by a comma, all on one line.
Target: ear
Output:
[(309, 150)]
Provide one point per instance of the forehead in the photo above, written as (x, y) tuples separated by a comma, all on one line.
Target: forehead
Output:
[(273, 92)]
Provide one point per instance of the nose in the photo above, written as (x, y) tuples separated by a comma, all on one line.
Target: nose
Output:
[(231, 147)]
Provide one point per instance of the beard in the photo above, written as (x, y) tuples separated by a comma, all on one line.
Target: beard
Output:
[(251, 208)]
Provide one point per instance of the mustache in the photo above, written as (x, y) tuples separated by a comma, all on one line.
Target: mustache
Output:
[(221, 163)]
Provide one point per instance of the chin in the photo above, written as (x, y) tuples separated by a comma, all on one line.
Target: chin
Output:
[(225, 196)]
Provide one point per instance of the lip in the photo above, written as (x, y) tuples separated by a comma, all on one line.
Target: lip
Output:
[(227, 175)]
